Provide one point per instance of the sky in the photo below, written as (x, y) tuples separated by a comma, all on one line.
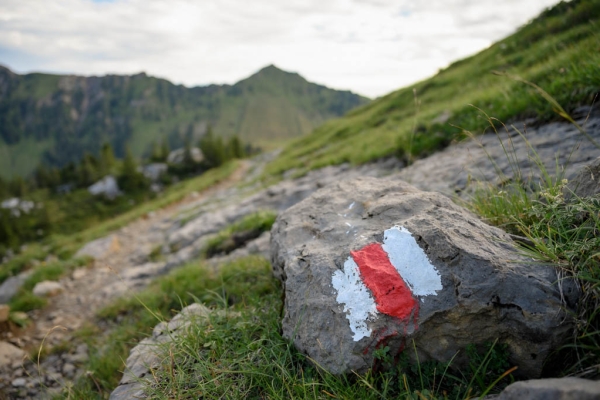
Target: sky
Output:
[(371, 47)]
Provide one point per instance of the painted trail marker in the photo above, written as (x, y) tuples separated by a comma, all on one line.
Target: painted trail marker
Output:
[(385, 278)]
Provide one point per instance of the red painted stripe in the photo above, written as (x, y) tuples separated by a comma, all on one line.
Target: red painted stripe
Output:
[(392, 295)]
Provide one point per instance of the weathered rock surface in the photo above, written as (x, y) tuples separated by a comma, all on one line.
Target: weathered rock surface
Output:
[(466, 283), (107, 187), (10, 353), (145, 356), (587, 182), (47, 288), (552, 389), (453, 170), (99, 247), (11, 286)]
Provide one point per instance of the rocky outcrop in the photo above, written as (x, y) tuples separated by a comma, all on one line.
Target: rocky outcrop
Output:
[(495, 158), (177, 156), (99, 247), (145, 357), (586, 183), (368, 263), (552, 389), (11, 286), (106, 187)]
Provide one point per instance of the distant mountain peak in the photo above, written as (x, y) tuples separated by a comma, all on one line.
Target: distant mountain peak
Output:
[(271, 70)]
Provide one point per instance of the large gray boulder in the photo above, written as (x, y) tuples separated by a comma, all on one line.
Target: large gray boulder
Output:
[(369, 263)]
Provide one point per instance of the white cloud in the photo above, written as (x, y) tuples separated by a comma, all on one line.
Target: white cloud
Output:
[(371, 47)]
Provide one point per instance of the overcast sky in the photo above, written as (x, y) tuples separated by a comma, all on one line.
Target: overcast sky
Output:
[(368, 46)]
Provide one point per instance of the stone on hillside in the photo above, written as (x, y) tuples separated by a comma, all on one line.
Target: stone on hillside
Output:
[(47, 288), (369, 263), (587, 181), (19, 382), (106, 186), (11, 286), (100, 247), (144, 357), (9, 354), (154, 171), (552, 389), (177, 156)]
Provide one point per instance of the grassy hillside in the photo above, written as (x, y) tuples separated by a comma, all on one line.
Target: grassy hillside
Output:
[(559, 51), (55, 119)]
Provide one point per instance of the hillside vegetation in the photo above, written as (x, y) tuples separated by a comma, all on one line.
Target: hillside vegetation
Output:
[(238, 351), (559, 51), (55, 119)]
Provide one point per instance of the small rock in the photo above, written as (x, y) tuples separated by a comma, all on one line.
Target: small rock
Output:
[(100, 247), (79, 273), (17, 365), (587, 181), (68, 369), (10, 354), (4, 312), (47, 288), (54, 377), (552, 389), (82, 349), (11, 286), (19, 382)]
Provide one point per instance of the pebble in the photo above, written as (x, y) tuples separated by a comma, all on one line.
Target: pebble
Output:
[(68, 369), (19, 382)]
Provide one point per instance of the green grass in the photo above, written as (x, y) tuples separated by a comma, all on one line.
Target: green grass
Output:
[(562, 231), (17, 159), (65, 246), (238, 352), (94, 227), (566, 64), (132, 319), (237, 234), (25, 300), (25, 260)]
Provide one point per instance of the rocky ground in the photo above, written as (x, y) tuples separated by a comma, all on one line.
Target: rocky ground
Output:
[(122, 259)]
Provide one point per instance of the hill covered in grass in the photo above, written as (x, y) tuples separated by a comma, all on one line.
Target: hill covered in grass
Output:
[(55, 119), (558, 51)]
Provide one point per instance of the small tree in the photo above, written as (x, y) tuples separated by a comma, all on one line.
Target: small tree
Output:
[(131, 179), (165, 150), (3, 188), (235, 147), (213, 149), (88, 172), (107, 159), (188, 164)]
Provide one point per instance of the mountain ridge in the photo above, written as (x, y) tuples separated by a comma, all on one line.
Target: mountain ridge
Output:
[(55, 119)]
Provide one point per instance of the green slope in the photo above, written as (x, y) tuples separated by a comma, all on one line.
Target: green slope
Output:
[(55, 119), (559, 51)]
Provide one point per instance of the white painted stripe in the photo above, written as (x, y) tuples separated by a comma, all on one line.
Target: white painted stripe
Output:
[(358, 302), (411, 262)]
